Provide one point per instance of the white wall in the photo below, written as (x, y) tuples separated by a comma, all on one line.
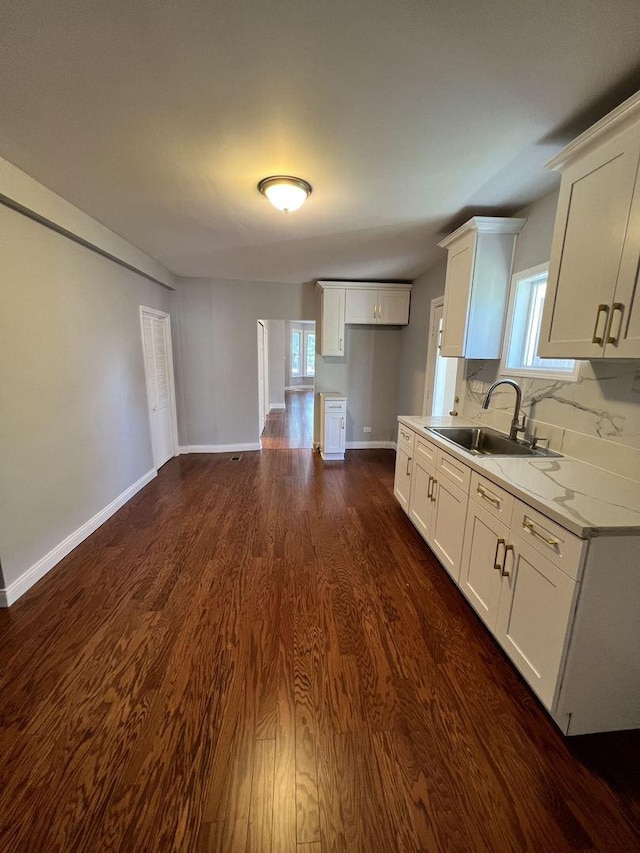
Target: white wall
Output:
[(276, 363), (74, 430)]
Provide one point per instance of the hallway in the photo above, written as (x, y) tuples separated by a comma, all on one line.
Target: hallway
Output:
[(290, 428)]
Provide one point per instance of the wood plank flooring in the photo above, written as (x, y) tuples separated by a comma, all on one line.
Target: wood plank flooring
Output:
[(263, 655), (292, 427)]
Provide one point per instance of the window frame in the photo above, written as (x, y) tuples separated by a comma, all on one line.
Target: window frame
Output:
[(303, 338), (523, 371)]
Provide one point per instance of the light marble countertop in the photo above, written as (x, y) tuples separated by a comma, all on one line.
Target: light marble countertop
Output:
[(586, 500)]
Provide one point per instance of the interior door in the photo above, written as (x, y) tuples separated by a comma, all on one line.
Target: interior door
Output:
[(156, 342)]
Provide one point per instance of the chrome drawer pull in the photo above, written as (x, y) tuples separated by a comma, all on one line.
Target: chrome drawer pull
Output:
[(530, 526), (495, 501)]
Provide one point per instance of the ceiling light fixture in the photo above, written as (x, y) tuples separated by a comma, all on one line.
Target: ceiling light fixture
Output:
[(285, 192)]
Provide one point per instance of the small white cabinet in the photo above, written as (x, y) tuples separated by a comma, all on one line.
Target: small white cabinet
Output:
[(480, 254), (333, 413), (592, 304)]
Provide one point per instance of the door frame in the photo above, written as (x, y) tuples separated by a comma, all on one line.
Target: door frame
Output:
[(166, 318), (430, 369)]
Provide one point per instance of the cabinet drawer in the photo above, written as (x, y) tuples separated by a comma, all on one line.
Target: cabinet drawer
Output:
[(454, 471), (335, 406), (425, 450), (405, 438), (494, 499), (559, 546)]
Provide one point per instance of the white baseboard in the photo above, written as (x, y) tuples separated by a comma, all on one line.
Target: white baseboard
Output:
[(370, 445), (277, 406), (27, 579), (218, 448)]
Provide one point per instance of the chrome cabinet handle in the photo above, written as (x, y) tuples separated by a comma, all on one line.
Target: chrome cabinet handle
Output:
[(495, 501), (408, 464), (599, 339), (341, 423), (613, 339), (439, 344), (503, 571), (496, 564), (530, 526), (430, 484), (433, 490), (340, 347)]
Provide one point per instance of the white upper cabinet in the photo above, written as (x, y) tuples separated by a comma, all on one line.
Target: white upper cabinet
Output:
[(363, 303), (477, 286), (331, 340), (382, 304), (592, 307)]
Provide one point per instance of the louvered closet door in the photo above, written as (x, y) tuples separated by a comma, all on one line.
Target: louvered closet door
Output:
[(155, 335)]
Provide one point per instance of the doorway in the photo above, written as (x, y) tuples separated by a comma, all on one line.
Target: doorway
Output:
[(161, 397), (442, 375), (286, 383)]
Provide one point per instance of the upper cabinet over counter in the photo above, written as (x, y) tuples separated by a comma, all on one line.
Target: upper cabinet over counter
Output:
[(364, 303), (477, 286), (592, 306)]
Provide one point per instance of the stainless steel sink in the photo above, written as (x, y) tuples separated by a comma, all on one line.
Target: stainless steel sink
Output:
[(482, 441)]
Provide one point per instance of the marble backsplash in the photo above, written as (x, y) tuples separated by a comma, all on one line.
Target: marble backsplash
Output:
[(596, 419)]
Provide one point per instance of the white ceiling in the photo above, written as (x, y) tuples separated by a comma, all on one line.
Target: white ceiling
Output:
[(158, 118)]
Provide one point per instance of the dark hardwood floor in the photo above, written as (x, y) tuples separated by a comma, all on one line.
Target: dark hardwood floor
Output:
[(292, 427), (263, 655)]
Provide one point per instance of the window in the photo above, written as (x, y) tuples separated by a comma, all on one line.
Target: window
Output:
[(303, 353), (520, 356)]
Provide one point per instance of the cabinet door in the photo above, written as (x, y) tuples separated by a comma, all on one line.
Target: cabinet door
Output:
[(588, 242), (393, 307), (360, 306), (448, 525), (402, 482), (536, 603), (332, 322), (457, 296), (333, 432), (421, 503), (623, 340), (485, 540)]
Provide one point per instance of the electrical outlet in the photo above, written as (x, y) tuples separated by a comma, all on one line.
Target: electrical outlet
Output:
[(477, 386), (366, 429)]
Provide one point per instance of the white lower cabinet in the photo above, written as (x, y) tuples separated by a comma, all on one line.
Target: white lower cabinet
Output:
[(333, 413), (536, 604), (421, 501), (450, 510), (485, 541), (404, 459)]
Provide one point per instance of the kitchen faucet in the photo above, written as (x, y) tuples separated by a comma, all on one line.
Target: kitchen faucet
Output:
[(517, 425)]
